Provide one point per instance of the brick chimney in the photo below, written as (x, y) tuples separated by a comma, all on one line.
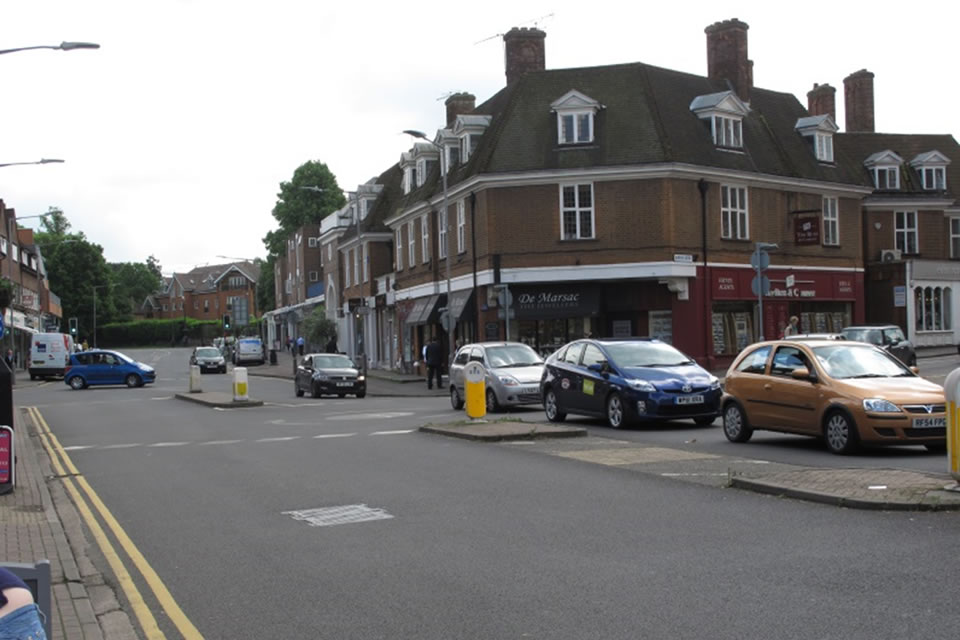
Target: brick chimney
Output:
[(858, 100), (822, 101), (524, 51), (727, 56), (458, 104)]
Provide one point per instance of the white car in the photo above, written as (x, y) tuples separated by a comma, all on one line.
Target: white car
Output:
[(248, 350), (513, 372)]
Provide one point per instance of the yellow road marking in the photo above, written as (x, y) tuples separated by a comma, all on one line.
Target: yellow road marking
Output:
[(140, 608)]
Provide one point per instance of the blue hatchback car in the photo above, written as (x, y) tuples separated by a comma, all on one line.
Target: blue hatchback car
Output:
[(96, 367), (628, 380)]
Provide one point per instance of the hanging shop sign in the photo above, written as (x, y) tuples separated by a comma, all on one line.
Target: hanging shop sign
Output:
[(806, 230)]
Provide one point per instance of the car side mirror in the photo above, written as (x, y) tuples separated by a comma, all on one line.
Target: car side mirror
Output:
[(802, 373), (915, 369), (603, 368)]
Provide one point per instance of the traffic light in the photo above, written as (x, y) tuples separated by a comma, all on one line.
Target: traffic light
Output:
[(226, 321), (73, 327)]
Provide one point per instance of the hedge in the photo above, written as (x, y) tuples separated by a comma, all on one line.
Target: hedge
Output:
[(166, 332)]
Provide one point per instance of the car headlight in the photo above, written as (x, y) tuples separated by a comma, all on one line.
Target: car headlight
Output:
[(641, 385), (714, 383), (361, 378), (509, 381), (879, 405)]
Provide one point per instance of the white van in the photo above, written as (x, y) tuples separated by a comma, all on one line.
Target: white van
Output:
[(248, 350), (49, 354)]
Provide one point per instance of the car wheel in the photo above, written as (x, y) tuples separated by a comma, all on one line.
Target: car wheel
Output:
[(939, 447), (341, 395), (76, 383), (455, 400), (840, 433), (315, 391), (704, 422), (615, 411), (297, 389), (735, 425), (132, 380), (362, 394), (551, 408), (493, 405)]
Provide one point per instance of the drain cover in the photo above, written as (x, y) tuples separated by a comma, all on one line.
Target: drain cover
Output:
[(347, 514)]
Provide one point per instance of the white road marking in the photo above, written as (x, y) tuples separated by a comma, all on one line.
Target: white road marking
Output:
[(333, 435), (123, 446), (163, 398), (294, 406), (371, 416), (327, 516), (78, 447), (691, 475), (221, 442), (168, 444), (390, 433), (284, 439)]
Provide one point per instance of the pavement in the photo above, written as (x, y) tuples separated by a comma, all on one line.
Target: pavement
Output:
[(39, 520)]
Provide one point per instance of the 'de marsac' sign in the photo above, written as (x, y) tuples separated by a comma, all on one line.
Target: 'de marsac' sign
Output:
[(555, 303)]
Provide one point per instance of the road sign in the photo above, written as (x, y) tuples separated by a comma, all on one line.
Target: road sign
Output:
[(761, 258), (764, 284), (445, 321), (791, 280), (505, 298), (501, 313)]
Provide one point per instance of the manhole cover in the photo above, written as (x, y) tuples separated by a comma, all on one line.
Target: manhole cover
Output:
[(347, 514)]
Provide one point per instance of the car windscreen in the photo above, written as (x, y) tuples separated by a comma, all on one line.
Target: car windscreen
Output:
[(332, 362), (873, 336), (645, 354), (208, 352), (512, 355), (852, 361)]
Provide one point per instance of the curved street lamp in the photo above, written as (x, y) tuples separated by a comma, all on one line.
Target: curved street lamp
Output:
[(40, 161), (63, 46)]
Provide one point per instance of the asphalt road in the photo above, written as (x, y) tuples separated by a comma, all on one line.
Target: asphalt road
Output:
[(468, 540)]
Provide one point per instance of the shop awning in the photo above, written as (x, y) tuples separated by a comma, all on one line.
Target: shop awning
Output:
[(458, 302), (422, 310)]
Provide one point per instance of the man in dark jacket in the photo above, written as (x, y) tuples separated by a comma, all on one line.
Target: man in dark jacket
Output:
[(434, 359)]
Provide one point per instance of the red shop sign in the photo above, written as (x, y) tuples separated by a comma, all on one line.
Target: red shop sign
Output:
[(806, 230)]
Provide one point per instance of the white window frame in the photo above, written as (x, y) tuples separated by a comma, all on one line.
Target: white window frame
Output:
[(442, 235), (206, 306), (831, 222), (934, 178), (824, 147), (399, 244), (575, 127), (412, 243), (312, 242), (955, 236), (347, 268), (578, 210), (365, 263), (356, 265), (887, 172), (461, 227), (425, 237), (314, 276), (421, 171), (932, 308), (329, 251), (903, 231), (727, 131), (448, 151), (734, 216)]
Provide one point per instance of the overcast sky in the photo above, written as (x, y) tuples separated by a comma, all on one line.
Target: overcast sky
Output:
[(178, 130)]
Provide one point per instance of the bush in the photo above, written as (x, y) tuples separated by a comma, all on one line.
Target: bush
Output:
[(157, 332)]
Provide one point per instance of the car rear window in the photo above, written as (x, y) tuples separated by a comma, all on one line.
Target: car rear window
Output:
[(209, 352), (755, 362)]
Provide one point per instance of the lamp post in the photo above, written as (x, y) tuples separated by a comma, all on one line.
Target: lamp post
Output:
[(446, 222), (95, 287), (63, 46), (40, 161)]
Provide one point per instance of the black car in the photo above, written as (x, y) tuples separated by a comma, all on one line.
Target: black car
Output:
[(628, 380), (330, 374), (888, 337), (208, 359)]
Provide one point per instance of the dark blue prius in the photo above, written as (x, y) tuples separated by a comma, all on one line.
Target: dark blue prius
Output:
[(628, 380)]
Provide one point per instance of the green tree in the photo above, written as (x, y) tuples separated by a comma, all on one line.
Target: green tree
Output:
[(266, 293), (154, 265), (318, 329), (132, 283), (297, 206)]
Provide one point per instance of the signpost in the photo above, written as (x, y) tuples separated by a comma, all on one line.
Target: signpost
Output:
[(505, 299), (760, 285)]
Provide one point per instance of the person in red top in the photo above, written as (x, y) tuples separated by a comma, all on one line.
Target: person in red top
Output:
[(19, 615)]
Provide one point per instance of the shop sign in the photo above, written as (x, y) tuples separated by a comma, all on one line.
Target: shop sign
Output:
[(730, 284), (555, 302), (6, 458), (899, 295), (684, 258), (935, 270), (779, 290), (806, 230)]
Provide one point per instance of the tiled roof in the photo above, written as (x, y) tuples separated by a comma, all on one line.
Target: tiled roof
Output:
[(860, 146)]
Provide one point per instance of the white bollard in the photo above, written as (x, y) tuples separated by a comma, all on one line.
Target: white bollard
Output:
[(951, 388), (195, 379), (240, 384)]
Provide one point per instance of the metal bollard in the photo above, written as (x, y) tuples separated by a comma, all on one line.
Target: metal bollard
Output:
[(240, 384), (951, 387), (474, 386), (195, 379)]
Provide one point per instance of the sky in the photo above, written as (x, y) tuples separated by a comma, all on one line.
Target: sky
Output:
[(178, 131)]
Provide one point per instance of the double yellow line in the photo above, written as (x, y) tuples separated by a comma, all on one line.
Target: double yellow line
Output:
[(66, 470)]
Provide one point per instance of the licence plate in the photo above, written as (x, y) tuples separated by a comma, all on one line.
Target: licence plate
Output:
[(533, 389), (344, 384), (929, 423), (689, 399)]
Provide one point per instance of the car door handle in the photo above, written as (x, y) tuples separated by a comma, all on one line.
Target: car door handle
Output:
[(768, 386)]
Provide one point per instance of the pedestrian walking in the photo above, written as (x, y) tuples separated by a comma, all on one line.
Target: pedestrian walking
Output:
[(432, 356), (332, 345), (793, 328), (300, 343), (19, 614)]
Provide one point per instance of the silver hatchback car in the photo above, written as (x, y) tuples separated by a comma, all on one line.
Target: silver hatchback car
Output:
[(513, 374)]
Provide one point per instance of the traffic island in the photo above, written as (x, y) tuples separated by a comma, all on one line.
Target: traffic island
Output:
[(501, 431), (218, 399)]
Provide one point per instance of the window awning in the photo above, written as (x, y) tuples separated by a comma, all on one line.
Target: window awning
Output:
[(422, 310), (458, 303)]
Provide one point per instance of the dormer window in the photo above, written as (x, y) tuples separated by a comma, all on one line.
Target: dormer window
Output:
[(884, 168), (575, 118), (932, 169), (424, 167), (723, 115), (468, 129), (819, 131)]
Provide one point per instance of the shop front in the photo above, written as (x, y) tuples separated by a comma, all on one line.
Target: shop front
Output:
[(824, 301), (931, 300), (419, 317)]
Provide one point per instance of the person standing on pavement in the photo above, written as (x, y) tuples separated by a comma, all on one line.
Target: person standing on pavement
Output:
[(433, 357), (19, 615), (793, 328), (300, 343), (332, 345)]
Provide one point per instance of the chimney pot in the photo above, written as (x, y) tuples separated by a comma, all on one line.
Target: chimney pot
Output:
[(525, 51), (822, 100), (858, 101), (727, 56), (458, 104)]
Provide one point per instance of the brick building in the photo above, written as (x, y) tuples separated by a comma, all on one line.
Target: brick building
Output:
[(214, 292)]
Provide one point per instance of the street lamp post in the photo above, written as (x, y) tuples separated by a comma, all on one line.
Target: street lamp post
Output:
[(63, 46), (446, 222), (40, 161), (95, 287)]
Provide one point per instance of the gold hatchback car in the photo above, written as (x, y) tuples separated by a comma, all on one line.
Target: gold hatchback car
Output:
[(846, 393)]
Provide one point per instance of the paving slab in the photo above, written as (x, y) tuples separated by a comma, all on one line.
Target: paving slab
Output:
[(499, 431), (218, 399)]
